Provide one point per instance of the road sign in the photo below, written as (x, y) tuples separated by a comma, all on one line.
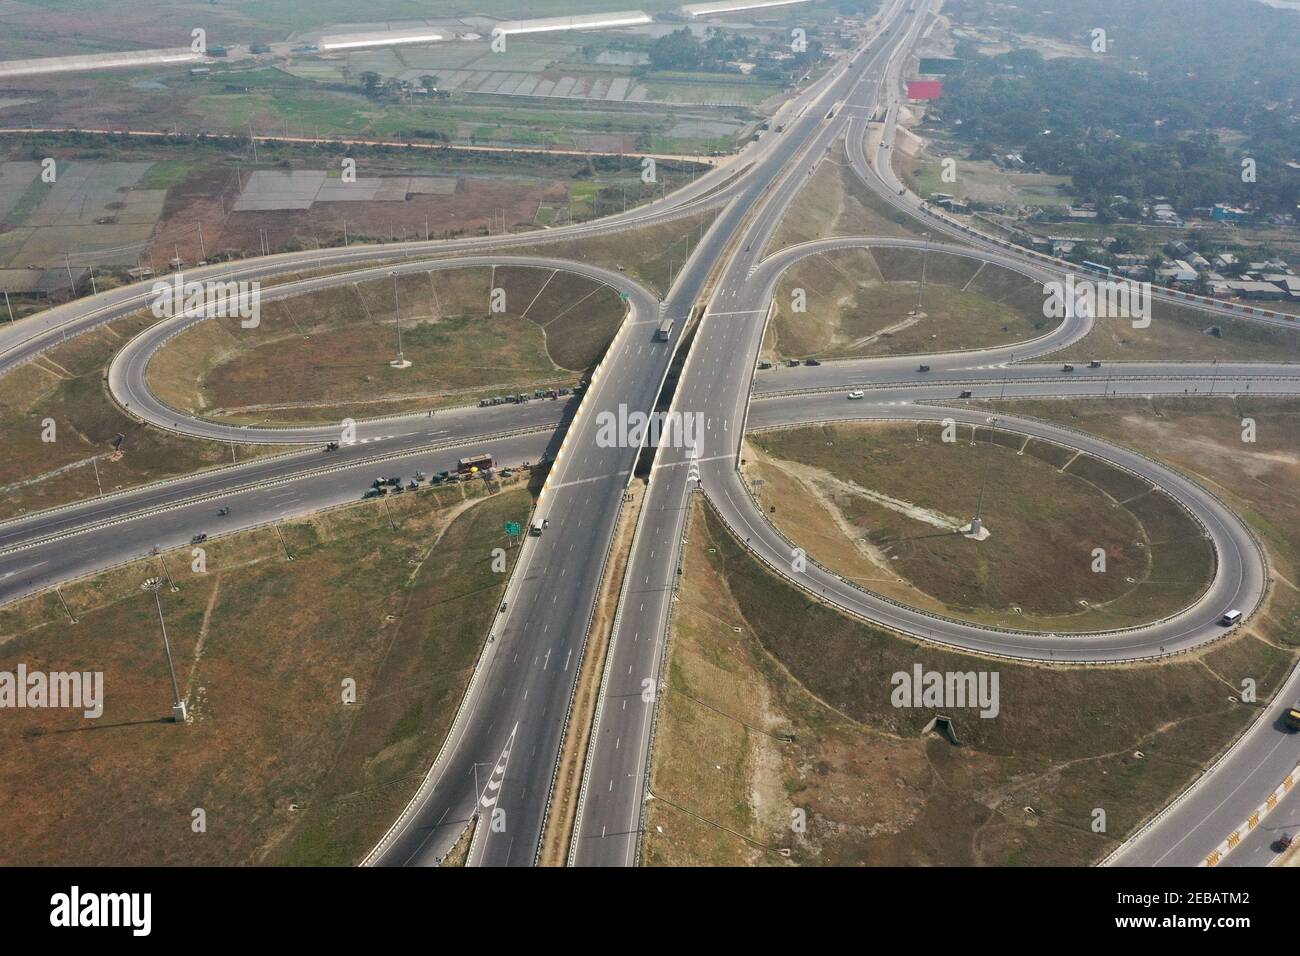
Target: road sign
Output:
[(513, 528)]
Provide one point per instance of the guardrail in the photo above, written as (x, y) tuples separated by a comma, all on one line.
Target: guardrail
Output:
[(252, 485), (762, 396), (993, 628), (1235, 837)]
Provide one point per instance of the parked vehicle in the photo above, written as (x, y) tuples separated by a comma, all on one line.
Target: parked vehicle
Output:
[(791, 363), (811, 362), (475, 463), (1283, 843)]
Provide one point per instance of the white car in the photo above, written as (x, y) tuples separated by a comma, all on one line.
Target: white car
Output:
[(857, 393)]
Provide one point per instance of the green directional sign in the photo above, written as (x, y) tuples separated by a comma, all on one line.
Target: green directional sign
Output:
[(624, 296), (513, 528)]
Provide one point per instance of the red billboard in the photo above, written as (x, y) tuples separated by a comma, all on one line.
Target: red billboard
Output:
[(924, 89)]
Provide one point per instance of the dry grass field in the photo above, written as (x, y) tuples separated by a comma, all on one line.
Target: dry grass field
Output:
[(284, 770), (862, 302), (882, 505), (326, 355), (754, 663)]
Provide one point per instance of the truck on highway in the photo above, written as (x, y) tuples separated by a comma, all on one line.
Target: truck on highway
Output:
[(665, 331), (475, 463)]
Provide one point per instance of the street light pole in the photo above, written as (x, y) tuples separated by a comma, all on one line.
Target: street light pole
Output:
[(400, 361), (178, 705), (925, 253)]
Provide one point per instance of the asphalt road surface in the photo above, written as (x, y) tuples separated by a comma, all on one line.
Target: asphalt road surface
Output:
[(499, 762)]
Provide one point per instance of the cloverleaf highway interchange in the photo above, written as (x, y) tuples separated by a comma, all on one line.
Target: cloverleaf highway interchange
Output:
[(486, 794)]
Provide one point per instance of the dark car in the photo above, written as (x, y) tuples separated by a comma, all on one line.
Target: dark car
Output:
[(923, 368), (811, 362), (199, 538)]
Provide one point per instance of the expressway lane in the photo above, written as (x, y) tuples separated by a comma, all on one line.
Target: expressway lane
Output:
[(715, 385), (717, 381), (107, 541), (518, 700), (953, 371), (580, 500), (1223, 797), (515, 691), (1202, 815)]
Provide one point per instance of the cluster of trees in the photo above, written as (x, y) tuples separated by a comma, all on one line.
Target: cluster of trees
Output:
[(1141, 120), (377, 88), (681, 50)]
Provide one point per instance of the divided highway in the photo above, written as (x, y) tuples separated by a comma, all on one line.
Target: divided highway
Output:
[(499, 763), (717, 383)]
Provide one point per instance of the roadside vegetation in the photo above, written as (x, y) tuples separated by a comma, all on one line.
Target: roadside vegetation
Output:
[(835, 202), (62, 396), (396, 596), (778, 743), (863, 302)]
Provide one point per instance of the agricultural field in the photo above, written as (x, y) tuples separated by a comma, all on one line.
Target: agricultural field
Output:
[(394, 596), (863, 302), (137, 203), (883, 505), (778, 743), (326, 355), (93, 212)]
